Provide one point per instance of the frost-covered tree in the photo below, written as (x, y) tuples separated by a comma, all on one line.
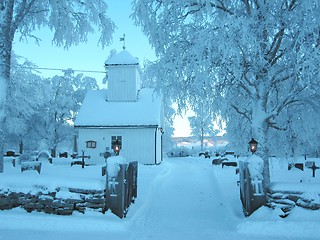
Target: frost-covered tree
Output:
[(26, 95), (202, 123), (69, 20), (66, 94), (149, 81), (43, 109), (257, 57)]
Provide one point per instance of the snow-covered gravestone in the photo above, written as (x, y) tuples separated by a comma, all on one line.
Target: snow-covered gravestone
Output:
[(121, 178), (251, 184)]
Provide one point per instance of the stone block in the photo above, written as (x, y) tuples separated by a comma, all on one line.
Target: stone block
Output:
[(94, 205), (46, 200), (80, 209), (29, 207), (74, 201), (294, 198), (63, 211), (95, 200), (58, 204), (85, 191), (309, 205)]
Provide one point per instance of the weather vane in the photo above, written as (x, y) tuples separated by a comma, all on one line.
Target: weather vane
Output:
[(123, 39)]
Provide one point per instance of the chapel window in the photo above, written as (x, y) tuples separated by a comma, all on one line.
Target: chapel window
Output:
[(116, 140), (91, 144)]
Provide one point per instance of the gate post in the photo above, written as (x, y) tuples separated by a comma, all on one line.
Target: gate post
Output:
[(121, 185), (252, 194)]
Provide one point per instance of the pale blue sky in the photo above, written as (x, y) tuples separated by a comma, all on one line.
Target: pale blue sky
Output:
[(89, 56)]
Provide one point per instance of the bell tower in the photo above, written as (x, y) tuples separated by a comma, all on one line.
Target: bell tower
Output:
[(123, 77)]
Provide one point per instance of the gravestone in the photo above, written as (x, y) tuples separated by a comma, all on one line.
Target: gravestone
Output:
[(26, 166), (44, 156)]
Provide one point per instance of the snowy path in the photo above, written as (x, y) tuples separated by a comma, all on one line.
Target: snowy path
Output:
[(183, 198), (191, 202)]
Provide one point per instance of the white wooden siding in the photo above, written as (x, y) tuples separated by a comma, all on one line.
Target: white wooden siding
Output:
[(138, 144), (123, 83)]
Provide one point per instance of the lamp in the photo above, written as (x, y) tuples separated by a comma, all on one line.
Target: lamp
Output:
[(116, 147), (253, 145)]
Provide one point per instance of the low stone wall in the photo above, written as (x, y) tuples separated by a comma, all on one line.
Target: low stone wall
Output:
[(61, 201), (287, 200)]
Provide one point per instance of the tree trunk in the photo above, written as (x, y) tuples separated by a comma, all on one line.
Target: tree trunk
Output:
[(260, 133), (201, 139), (6, 39)]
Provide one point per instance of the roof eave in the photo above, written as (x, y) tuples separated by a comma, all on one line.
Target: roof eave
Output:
[(116, 126)]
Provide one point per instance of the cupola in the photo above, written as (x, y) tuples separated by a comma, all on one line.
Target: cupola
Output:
[(123, 77)]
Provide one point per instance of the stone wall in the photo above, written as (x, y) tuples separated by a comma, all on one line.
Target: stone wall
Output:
[(61, 201), (287, 200)]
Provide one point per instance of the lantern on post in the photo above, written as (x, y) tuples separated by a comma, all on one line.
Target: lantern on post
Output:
[(253, 145), (116, 147)]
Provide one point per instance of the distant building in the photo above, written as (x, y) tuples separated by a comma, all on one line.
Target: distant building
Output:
[(124, 113)]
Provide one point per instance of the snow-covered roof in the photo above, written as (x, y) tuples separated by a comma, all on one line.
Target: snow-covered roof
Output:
[(96, 111), (122, 58)]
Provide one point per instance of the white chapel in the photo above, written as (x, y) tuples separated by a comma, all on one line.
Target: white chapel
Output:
[(124, 113)]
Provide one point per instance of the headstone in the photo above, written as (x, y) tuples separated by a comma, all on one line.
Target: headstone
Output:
[(25, 166), (63, 155), (10, 154)]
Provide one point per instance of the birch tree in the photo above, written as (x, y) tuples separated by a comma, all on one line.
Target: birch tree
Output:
[(27, 94), (69, 20), (202, 123), (66, 94), (257, 57)]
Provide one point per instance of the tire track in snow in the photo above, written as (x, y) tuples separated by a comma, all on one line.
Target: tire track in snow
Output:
[(142, 216)]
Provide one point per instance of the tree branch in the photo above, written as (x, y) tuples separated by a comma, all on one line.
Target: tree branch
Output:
[(248, 9), (22, 10), (221, 7), (275, 46), (275, 126), (244, 112)]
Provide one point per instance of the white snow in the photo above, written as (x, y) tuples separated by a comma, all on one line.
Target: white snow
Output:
[(182, 198), (255, 165), (113, 165), (122, 58), (96, 111)]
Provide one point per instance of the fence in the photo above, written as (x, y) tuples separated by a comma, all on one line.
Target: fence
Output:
[(121, 190), (252, 194)]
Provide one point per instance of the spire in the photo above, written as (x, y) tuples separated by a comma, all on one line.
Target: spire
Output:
[(123, 39)]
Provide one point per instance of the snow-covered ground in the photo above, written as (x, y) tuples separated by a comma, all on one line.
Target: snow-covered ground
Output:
[(182, 198)]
